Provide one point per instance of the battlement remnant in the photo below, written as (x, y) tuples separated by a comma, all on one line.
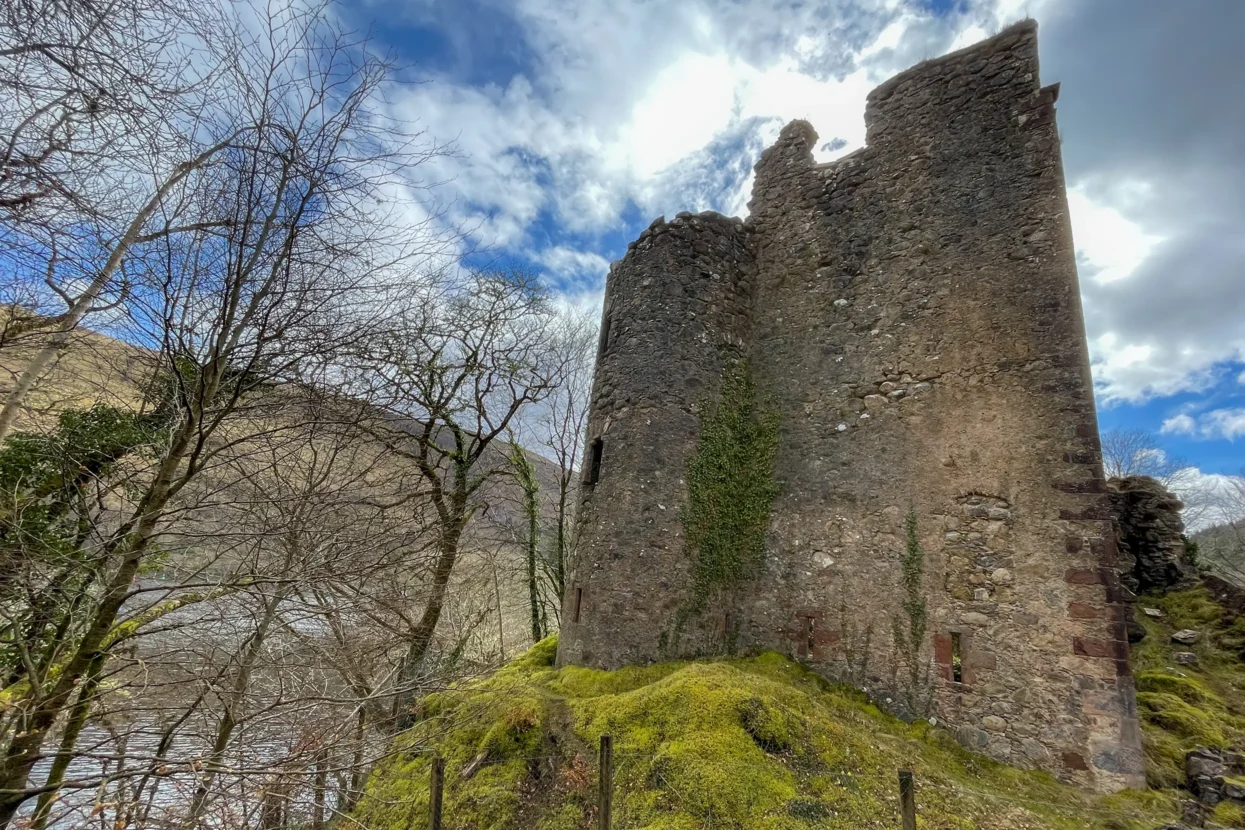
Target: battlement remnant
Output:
[(909, 315)]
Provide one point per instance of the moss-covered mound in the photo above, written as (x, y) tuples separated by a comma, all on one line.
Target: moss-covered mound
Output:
[(748, 743)]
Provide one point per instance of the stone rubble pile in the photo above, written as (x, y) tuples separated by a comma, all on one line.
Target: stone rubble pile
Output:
[(1149, 535)]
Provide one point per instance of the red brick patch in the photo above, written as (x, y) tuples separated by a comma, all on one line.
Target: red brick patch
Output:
[(1091, 647), (1083, 611), (1082, 576)]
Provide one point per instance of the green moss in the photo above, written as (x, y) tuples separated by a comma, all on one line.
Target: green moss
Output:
[(741, 743), (1186, 688), (1182, 706), (1228, 814), (1176, 716)]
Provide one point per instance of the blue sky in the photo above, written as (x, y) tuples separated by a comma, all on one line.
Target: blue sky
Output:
[(579, 121)]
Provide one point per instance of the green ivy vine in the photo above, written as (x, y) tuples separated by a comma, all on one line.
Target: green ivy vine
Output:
[(731, 489), (909, 632)]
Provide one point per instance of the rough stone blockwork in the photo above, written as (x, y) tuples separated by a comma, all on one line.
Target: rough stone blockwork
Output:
[(911, 312), (1149, 535)]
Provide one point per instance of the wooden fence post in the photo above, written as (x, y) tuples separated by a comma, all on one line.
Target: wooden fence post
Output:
[(907, 799), (606, 806), (437, 787)]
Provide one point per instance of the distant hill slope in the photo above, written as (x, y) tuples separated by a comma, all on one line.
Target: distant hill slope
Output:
[(740, 743), (95, 368)]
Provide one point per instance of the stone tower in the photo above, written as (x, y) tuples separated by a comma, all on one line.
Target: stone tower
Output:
[(910, 315)]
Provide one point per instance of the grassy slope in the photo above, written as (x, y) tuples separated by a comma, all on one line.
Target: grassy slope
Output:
[(746, 743), (1183, 707)]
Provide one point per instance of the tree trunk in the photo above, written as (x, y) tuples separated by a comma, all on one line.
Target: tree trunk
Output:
[(228, 721), (421, 637), (69, 740), (318, 787), (24, 748), (356, 768), (23, 751)]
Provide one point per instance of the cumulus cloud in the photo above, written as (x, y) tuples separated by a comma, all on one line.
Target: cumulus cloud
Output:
[(571, 264), (1227, 423), (630, 103)]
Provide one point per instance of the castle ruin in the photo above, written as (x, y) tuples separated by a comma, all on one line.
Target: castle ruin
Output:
[(894, 342)]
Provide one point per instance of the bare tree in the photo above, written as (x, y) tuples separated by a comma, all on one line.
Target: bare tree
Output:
[(83, 83), (1135, 452), (302, 268), (108, 116), (524, 473), (1221, 545), (467, 361), (560, 431)]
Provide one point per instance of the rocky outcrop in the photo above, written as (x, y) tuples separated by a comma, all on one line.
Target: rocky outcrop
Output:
[(1214, 775), (1149, 534)]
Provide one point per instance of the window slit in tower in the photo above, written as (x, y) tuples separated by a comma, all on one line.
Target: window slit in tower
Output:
[(579, 601), (594, 463), (812, 629), (957, 666)]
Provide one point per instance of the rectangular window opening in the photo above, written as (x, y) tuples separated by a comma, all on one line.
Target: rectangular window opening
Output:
[(726, 623), (579, 601), (593, 473), (605, 334), (812, 629), (957, 666)]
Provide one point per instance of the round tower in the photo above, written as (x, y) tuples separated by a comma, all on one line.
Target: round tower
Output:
[(676, 316)]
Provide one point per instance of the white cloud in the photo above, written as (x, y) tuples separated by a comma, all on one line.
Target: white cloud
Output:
[(687, 104), (1227, 423), (625, 101), (1109, 245), (572, 264), (1179, 425)]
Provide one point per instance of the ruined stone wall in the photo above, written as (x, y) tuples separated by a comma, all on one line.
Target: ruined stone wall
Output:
[(1149, 535), (915, 320), (676, 315)]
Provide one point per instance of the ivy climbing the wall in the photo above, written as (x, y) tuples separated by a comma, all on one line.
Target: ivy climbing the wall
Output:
[(730, 487), (909, 630)]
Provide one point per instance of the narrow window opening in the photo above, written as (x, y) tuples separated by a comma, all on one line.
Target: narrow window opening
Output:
[(809, 634), (594, 463), (957, 666), (579, 601), (726, 623), (605, 334)]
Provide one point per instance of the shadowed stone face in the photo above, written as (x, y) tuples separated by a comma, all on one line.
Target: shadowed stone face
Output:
[(941, 534)]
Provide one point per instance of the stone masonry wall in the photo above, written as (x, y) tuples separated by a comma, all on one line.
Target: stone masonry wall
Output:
[(912, 312), (676, 314)]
